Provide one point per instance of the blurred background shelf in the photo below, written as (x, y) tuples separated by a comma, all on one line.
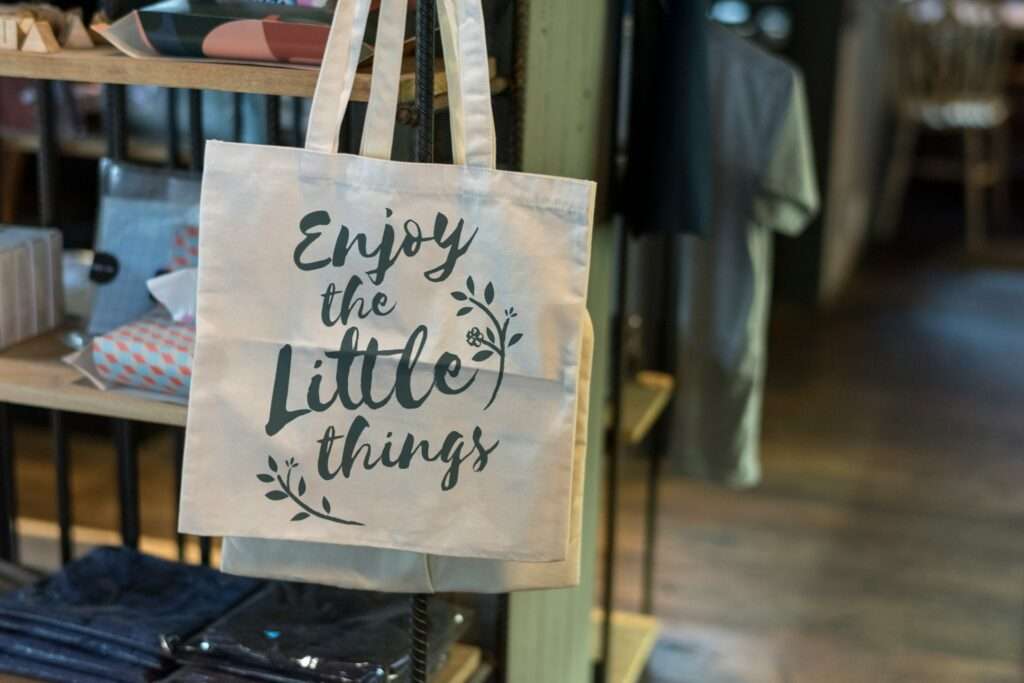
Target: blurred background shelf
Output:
[(107, 65), (645, 398), (633, 639)]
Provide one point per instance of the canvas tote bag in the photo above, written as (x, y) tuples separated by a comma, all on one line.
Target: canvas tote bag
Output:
[(387, 353), (407, 572)]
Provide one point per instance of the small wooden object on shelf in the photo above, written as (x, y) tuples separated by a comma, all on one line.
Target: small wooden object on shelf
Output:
[(10, 33), (40, 39), (75, 35)]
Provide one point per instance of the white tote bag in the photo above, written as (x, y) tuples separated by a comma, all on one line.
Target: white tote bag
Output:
[(408, 572), (387, 353)]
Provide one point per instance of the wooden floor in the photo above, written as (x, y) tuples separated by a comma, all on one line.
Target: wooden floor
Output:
[(887, 541)]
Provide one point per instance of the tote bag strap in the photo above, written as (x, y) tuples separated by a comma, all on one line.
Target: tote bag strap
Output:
[(469, 82), (463, 40), (337, 74), (465, 49), (388, 48)]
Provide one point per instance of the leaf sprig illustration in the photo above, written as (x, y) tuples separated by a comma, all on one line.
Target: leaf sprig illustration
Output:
[(284, 491), (493, 339)]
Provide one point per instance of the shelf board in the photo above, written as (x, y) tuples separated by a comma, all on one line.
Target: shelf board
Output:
[(107, 65), (93, 147), (32, 374), (645, 398), (633, 639)]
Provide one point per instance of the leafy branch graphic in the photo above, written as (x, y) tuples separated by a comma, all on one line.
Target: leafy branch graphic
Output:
[(494, 339), (284, 491)]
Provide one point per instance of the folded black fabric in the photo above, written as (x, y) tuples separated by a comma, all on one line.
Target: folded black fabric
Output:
[(224, 672), (44, 672), (307, 632), (199, 674), (68, 657), (124, 597), (99, 646)]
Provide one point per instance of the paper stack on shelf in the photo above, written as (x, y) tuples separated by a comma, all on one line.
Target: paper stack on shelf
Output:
[(31, 296)]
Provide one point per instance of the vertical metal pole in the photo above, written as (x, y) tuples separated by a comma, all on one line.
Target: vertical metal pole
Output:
[(173, 143), (296, 111), (425, 80), (205, 550), (62, 470), (8, 488), (651, 530), (662, 430), (117, 135), (179, 453), (46, 158), (128, 481), (196, 145), (420, 636), (195, 129), (272, 110), (425, 22), (236, 116), (501, 638), (617, 445)]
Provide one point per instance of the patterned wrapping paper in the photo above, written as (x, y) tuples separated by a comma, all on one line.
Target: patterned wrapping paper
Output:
[(185, 250), (31, 289), (153, 353)]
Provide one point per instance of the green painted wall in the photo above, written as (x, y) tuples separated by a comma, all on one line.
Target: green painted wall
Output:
[(564, 134)]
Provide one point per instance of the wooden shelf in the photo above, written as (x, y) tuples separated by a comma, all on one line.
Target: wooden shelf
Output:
[(32, 374), (633, 639), (93, 147), (644, 400), (107, 65)]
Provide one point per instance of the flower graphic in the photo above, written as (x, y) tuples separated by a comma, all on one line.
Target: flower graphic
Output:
[(475, 337), (494, 339)]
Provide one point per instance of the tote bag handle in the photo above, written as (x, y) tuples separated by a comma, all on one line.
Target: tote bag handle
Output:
[(465, 49)]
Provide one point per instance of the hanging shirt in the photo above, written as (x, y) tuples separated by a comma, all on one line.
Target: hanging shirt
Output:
[(763, 182)]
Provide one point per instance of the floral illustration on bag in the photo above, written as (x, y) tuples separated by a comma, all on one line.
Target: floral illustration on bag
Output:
[(285, 492), (494, 339)]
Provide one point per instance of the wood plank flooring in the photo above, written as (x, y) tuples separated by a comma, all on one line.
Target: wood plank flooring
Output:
[(887, 540)]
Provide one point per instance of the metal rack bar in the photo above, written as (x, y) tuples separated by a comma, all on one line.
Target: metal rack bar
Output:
[(46, 158), (272, 109), (237, 116), (661, 431), (296, 113), (62, 472), (425, 22), (178, 440), (195, 129), (8, 489), (172, 128), (616, 441), (127, 481), (117, 135)]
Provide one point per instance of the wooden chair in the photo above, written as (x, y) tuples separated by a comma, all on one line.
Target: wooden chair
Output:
[(950, 64)]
